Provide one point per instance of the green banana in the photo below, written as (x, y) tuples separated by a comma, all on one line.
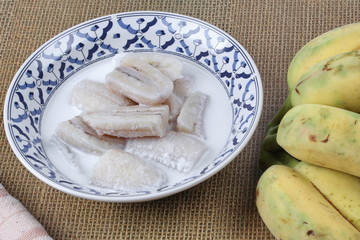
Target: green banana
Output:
[(322, 135), (292, 208), (339, 40), (334, 82), (341, 189)]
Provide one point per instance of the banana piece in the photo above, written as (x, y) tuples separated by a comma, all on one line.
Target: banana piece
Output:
[(175, 104), (176, 150), (148, 74), (331, 43), (167, 65), (120, 170), (76, 135), (322, 135), (133, 88), (341, 189), (190, 118), (292, 208), (334, 82), (182, 89), (140, 81), (130, 121), (91, 95)]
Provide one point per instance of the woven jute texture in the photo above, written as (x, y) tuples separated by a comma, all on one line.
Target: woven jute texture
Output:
[(222, 207)]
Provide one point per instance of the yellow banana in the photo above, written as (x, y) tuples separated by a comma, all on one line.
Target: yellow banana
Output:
[(292, 208), (333, 82), (338, 40), (322, 135), (341, 189)]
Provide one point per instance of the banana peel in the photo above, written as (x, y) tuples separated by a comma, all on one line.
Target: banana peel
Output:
[(322, 135), (292, 208), (339, 40), (340, 189), (333, 81)]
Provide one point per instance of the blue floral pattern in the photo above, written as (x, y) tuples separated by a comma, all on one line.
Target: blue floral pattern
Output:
[(58, 59)]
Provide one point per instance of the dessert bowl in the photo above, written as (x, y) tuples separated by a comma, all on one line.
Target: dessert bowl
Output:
[(39, 95)]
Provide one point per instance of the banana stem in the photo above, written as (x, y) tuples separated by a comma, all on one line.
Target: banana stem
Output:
[(287, 159), (271, 152), (280, 157), (269, 143), (267, 159), (280, 114)]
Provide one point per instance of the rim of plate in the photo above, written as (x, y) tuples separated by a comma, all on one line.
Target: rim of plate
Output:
[(153, 195)]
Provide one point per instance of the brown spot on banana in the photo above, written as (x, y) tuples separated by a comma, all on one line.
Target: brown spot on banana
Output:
[(326, 139), (327, 66), (299, 83), (303, 120), (312, 138), (302, 80), (283, 220), (310, 233)]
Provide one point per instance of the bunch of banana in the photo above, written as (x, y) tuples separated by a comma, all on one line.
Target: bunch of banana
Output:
[(310, 188)]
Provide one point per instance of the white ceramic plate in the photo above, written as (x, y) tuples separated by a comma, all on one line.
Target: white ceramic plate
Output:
[(39, 95)]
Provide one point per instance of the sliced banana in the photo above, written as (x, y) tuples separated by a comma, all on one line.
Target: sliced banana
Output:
[(130, 121), (191, 115), (91, 95), (120, 170), (76, 136), (179, 151)]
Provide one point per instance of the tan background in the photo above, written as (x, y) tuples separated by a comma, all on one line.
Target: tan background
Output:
[(221, 207)]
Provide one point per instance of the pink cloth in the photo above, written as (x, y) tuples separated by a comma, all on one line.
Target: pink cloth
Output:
[(16, 223)]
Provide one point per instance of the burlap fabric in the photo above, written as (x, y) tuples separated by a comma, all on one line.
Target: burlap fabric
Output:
[(220, 208)]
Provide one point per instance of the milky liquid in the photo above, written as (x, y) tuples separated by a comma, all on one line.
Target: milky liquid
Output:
[(77, 165)]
